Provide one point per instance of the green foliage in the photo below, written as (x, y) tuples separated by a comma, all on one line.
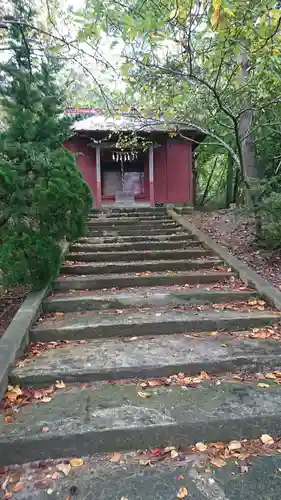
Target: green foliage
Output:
[(43, 198)]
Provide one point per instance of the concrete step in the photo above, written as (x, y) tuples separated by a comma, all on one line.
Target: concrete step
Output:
[(140, 255), (102, 479), (140, 266), (139, 238), (97, 282), (115, 211), (133, 246), (134, 231), (82, 421), (107, 324), (130, 222), (141, 297), (145, 358)]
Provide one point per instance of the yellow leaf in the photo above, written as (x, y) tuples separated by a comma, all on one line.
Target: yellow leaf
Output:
[(144, 394), (169, 448), (234, 445), (261, 302), (275, 53), (270, 376), (59, 314), (174, 454), (223, 345), (116, 457), (200, 447), (262, 385), (76, 462), (213, 334), (267, 439), (60, 384), (45, 399), (182, 493), (252, 302)]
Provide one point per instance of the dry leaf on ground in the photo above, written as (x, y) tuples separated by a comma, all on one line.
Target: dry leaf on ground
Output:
[(60, 384), (144, 394), (116, 457), (182, 493), (234, 445), (76, 462), (65, 468), (262, 385), (267, 439), (18, 487), (200, 447), (174, 454)]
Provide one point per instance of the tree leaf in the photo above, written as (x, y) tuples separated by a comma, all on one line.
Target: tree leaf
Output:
[(200, 447), (116, 457)]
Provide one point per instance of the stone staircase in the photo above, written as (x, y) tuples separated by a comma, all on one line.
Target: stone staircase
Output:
[(140, 299)]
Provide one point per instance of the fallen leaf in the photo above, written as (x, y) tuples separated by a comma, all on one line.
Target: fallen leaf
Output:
[(145, 462), (64, 468), (144, 394), (260, 308), (168, 449), (218, 462), (223, 345), (213, 334), (11, 395), (252, 302), (132, 339), (154, 383), (49, 491), (9, 420), (200, 447), (45, 429), (59, 314), (267, 439), (271, 376), (124, 498), (182, 493), (60, 384), (278, 374), (261, 302), (116, 457), (157, 452), (18, 487), (8, 495), (174, 454), (76, 462), (56, 475), (262, 385), (234, 445), (45, 399), (180, 476)]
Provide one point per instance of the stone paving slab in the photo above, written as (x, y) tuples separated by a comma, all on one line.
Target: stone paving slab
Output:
[(135, 232), (151, 322), (86, 420), (114, 256), (148, 358), (100, 479), (140, 266), (142, 298), (97, 282)]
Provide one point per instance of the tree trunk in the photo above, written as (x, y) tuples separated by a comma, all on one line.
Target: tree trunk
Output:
[(229, 182)]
